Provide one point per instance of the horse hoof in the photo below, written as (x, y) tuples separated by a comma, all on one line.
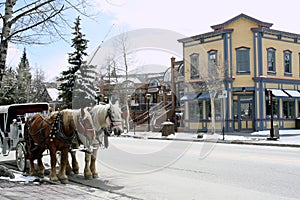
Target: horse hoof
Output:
[(95, 176), (54, 179), (76, 171), (64, 181)]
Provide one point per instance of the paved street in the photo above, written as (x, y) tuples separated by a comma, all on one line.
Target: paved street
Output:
[(175, 169)]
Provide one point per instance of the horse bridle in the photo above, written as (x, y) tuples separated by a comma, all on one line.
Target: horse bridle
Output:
[(81, 121)]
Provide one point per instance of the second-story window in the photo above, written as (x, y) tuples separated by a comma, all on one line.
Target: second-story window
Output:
[(194, 69), (243, 60), (212, 61), (271, 60), (287, 62)]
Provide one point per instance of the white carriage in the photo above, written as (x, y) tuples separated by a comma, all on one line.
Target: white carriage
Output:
[(12, 121)]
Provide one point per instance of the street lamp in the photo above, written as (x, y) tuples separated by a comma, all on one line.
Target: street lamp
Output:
[(270, 102), (148, 102)]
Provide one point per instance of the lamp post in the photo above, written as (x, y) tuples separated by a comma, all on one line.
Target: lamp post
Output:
[(270, 102), (148, 109)]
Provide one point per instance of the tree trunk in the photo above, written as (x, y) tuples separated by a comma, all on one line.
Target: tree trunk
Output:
[(9, 4)]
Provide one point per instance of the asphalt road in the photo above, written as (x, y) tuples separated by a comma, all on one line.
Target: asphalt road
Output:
[(150, 169), (161, 169)]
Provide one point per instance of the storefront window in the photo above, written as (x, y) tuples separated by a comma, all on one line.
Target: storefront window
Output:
[(196, 110), (275, 103), (217, 109), (289, 109)]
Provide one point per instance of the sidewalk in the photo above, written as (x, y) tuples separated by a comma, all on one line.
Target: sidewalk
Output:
[(288, 138)]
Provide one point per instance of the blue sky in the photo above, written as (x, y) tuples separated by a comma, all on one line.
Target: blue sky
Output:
[(189, 17)]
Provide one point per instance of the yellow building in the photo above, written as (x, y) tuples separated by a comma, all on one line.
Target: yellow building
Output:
[(256, 63)]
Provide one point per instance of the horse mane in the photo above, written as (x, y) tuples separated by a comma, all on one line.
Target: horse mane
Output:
[(99, 114)]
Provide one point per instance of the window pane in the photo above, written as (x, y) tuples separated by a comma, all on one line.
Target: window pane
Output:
[(194, 68), (287, 62), (243, 60), (195, 110), (271, 60), (288, 109)]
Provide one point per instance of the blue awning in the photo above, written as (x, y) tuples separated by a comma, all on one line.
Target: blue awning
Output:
[(189, 96), (204, 96)]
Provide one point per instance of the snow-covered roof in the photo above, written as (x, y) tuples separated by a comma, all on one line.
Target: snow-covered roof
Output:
[(53, 93)]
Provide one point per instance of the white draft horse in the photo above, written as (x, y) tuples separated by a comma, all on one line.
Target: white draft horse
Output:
[(56, 133), (106, 118)]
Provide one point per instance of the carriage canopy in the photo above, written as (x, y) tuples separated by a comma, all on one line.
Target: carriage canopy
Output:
[(19, 112)]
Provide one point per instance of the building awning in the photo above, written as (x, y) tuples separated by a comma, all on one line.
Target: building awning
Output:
[(204, 96), (293, 93), (189, 96), (278, 93)]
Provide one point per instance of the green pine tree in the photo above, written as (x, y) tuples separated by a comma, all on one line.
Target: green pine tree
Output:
[(75, 60), (23, 79), (8, 87)]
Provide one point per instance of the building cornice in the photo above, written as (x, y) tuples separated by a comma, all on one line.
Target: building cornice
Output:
[(205, 35)]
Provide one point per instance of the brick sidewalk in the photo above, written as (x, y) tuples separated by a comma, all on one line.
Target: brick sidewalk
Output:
[(45, 191)]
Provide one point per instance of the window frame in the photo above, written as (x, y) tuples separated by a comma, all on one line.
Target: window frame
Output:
[(288, 109), (287, 54), (241, 64), (271, 52), (212, 62)]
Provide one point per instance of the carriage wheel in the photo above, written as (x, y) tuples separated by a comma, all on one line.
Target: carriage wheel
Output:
[(21, 157)]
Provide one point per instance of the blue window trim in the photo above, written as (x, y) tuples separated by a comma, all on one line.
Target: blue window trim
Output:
[(237, 50), (196, 68), (289, 54), (273, 51)]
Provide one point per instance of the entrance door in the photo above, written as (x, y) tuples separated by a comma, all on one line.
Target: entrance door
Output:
[(245, 115)]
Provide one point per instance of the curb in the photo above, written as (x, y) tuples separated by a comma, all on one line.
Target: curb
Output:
[(241, 142)]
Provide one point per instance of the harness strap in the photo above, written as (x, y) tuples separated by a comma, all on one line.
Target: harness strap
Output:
[(58, 131)]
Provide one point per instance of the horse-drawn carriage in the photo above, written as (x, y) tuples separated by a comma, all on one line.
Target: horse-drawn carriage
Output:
[(12, 120), (30, 130)]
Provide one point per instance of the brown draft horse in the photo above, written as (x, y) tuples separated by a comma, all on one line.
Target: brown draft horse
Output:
[(56, 133)]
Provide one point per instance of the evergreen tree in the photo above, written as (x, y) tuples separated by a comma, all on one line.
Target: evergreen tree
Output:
[(8, 87), (84, 90), (23, 79), (38, 86), (75, 60)]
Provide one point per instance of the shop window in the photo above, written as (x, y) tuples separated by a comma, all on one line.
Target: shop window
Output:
[(287, 62), (217, 109), (243, 60), (275, 103), (195, 110), (194, 68), (271, 52), (235, 110), (289, 109)]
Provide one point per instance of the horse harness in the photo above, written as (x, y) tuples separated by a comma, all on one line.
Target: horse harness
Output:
[(56, 131)]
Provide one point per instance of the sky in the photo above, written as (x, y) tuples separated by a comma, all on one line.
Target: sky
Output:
[(189, 17)]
